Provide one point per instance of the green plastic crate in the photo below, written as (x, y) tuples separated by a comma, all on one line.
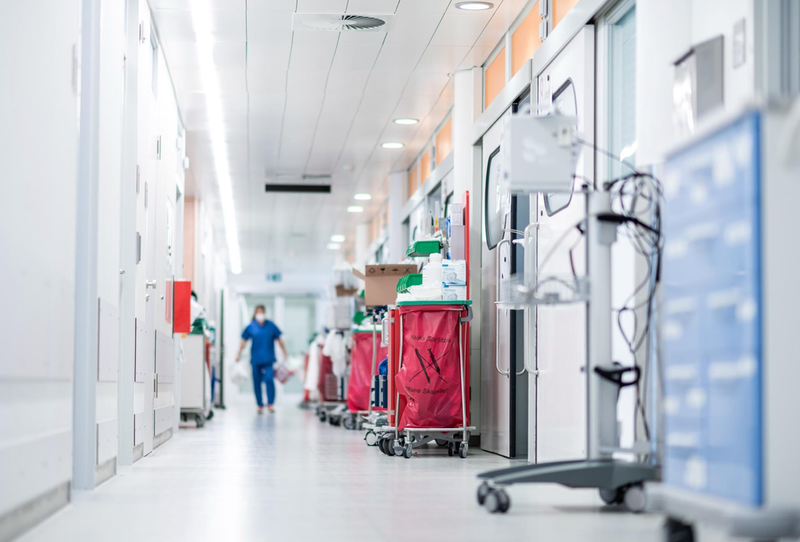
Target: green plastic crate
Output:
[(414, 279), (423, 248)]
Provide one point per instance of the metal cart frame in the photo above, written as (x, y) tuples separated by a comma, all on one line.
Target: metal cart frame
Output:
[(407, 439)]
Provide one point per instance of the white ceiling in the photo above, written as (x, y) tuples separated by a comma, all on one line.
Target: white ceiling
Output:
[(317, 102)]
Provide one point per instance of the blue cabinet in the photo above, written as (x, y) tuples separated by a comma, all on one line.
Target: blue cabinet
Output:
[(712, 314)]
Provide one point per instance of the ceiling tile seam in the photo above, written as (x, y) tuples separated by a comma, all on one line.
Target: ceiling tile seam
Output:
[(427, 45), (398, 161), (360, 103), (285, 102), (324, 97)]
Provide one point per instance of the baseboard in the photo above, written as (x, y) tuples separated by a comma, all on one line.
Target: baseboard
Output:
[(138, 453), (105, 472), (161, 438), (30, 514)]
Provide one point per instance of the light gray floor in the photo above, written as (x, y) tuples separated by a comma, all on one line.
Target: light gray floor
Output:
[(287, 477)]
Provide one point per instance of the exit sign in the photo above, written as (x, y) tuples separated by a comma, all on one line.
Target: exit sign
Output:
[(275, 277)]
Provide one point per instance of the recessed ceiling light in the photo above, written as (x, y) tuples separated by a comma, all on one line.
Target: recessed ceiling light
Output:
[(474, 6), (334, 246), (406, 121), (355, 209), (363, 196), (338, 238), (392, 145)]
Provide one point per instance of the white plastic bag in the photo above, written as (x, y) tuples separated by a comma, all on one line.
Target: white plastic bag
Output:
[(240, 375)]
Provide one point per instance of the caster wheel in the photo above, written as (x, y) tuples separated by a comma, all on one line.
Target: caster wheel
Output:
[(323, 416), (497, 502), (611, 496), (463, 449), (635, 499), (199, 420), (675, 530), (408, 451), (349, 424), (371, 438), (398, 448), (451, 449), (483, 492), (442, 442)]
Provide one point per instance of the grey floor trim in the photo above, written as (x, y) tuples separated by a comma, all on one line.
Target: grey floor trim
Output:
[(30, 514), (161, 438), (105, 472)]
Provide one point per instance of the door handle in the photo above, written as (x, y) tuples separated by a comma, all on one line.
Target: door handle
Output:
[(504, 372), (150, 283), (155, 385)]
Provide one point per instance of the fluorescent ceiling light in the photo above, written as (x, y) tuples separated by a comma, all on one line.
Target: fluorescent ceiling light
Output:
[(334, 246), (355, 209), (392, 145), (338, 238), (201, 21), (406, 121), (474, 6), (363, 196)]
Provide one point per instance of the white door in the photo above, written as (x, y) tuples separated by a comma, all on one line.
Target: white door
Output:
[(145, 227), (165, 172), (561, 346)]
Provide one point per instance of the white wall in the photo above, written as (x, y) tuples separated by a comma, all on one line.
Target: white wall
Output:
[(39, 150), (666, 30)]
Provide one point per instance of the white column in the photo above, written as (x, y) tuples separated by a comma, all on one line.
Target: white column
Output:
[(84, 437), (361, 244), (397, 197)]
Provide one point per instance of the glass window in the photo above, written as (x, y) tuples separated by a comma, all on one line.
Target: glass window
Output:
[(565, 102), (497, 202), (622, 93)]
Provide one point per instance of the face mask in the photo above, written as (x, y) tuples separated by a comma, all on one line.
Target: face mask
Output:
[(261, 317)]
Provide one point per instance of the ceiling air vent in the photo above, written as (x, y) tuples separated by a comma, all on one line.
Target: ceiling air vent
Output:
[(341, 23)]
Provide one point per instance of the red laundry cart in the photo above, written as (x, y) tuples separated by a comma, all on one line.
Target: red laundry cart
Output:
[(429, 376)]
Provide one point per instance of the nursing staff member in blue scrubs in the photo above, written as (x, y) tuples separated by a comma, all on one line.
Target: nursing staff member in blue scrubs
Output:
[(264, 334)]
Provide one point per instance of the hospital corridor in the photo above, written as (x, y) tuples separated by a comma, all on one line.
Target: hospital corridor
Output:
[(350, 270)]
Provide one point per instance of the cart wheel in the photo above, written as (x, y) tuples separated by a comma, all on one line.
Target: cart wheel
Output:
[(398, 448), (199, 420), (463, 449), (442, 442), (371, 438), (451, 449), (388, 447), (323, 416), (612, 496), (408, 451), (635, 499), (483, 491), (675, 530), (349, 423), (497, 501)]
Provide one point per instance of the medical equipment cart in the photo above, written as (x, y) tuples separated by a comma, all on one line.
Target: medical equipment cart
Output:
[(730, 299), (618, 481)]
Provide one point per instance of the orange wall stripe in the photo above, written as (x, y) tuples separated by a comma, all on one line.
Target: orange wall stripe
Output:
[(561, 8), (444, 141), (495, 77), (525, 39)]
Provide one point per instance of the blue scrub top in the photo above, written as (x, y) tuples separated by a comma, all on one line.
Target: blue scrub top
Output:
[(264, 336)]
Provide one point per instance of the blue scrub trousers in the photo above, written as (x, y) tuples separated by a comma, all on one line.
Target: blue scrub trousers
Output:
[(262, 374)]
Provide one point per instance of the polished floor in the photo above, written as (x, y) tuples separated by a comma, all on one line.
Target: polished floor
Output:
[(287, 477)]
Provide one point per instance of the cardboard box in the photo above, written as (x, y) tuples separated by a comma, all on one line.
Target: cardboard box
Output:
[(341, 291), (381, 282)]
